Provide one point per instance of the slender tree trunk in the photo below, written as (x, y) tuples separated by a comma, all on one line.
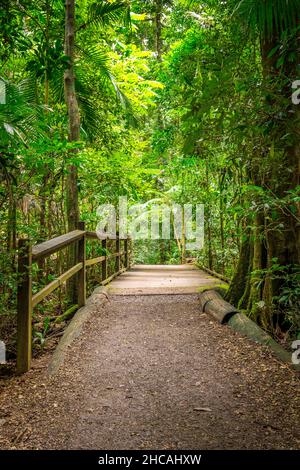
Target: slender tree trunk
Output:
[(238, 284), (160, 124), (222, 235), (208, 219), (210, 256), (43, 228), (183, 242), (158, 28), (11, 220), (74, 116), (222, 239), (255, 291), (72, 205)]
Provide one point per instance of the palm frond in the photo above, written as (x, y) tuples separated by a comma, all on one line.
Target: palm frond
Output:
[(19, 121), (269, 17), (57, 86), (100, 60), (89, 112), (104, 13)]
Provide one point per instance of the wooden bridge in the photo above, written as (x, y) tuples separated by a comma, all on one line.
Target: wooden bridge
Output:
[(161, 279), (139, 280), (28, 254), (145, 368)]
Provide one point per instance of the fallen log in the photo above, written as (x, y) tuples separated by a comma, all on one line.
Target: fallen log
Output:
[(212, 303), (68, 314), (249, 328)]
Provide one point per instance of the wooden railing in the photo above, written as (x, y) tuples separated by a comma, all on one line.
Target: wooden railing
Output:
[(28, 254)]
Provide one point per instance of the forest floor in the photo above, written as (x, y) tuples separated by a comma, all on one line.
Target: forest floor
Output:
[(152, 372)]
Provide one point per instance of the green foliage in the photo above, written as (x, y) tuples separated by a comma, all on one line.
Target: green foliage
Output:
[(103, 13), (269, 17), (40, 336), (178, 104)]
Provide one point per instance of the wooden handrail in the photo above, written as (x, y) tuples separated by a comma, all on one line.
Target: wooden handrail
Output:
[(55, 244), (91, 262), (37, 298), (26, 301), (214, 273), (92, 234)]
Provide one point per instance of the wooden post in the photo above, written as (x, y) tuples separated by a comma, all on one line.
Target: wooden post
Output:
[(129, 252), (82, 272), (104, 262), (24, 307), (126, 253), (118, 258)]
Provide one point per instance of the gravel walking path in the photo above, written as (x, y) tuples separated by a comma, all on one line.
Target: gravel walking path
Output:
[(152, 372)]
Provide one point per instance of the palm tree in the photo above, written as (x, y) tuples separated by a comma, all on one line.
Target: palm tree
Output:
[(101, 13), (20, 125), (63, 71)]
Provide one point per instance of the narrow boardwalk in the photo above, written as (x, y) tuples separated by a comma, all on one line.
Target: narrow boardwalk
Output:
[(162, 279), (152, 372)]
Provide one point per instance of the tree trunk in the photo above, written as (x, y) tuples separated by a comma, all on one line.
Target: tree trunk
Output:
[(283, 244), (74, 116), (72, 206), (255, 291), (11, 220), (158, 28), (222, 238), (276, 239), (208, 222), (239, 281)]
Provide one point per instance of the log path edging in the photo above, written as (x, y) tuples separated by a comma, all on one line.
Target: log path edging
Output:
[(212, 303)]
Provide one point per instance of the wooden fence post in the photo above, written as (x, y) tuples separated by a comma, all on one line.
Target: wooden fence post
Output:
[(104, 262), (129, 252), (118, 258), (24, 306), (126, 253), (82, 272)]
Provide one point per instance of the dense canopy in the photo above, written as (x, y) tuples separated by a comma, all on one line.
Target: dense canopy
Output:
[(169, 101)]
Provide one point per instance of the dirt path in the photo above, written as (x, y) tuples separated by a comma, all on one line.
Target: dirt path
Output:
[(151, 372)]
